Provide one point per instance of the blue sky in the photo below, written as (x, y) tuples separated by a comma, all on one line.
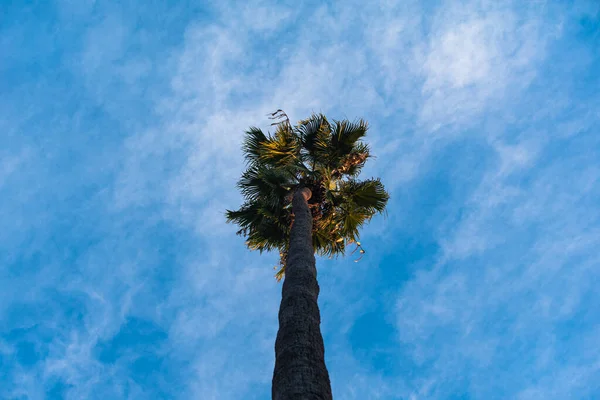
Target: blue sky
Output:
[(119, 152)]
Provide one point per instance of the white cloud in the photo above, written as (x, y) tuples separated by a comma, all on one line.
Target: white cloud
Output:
[(10, 164), (476, 57), (513, 271)]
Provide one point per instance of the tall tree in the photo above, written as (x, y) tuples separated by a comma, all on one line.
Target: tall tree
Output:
[(303, 196)]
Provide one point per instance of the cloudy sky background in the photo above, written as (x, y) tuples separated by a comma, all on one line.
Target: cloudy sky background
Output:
[(120, 128)]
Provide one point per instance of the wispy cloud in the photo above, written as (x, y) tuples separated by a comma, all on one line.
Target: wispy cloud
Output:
[(124, 282)]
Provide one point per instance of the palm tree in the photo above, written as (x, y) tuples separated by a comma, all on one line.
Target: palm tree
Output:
[(302, 196)]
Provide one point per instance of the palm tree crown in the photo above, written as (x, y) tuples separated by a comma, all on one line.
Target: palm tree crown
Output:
[(325, 157)]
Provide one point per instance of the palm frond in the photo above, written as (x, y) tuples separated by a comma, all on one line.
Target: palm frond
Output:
[(246, 217), (346, 134), (266, 236), (352, 220), (280, 272), (281, 149), (253, 144), (267, 184), (315, 134), (265, 228), (327, 237), (368, 194)]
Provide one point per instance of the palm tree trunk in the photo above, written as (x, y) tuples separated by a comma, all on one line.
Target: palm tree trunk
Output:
[(300, 372)]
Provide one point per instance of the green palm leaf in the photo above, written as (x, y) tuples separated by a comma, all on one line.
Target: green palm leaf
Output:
[(322, 156), (253, 144), (368, 194)]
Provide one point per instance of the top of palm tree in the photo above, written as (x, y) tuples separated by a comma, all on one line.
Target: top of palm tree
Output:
[(325, 157)]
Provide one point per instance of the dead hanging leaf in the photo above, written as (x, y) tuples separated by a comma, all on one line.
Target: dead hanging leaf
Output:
[(361, 251)]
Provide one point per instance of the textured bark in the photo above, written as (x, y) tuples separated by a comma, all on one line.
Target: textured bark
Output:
[(300, 372)]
